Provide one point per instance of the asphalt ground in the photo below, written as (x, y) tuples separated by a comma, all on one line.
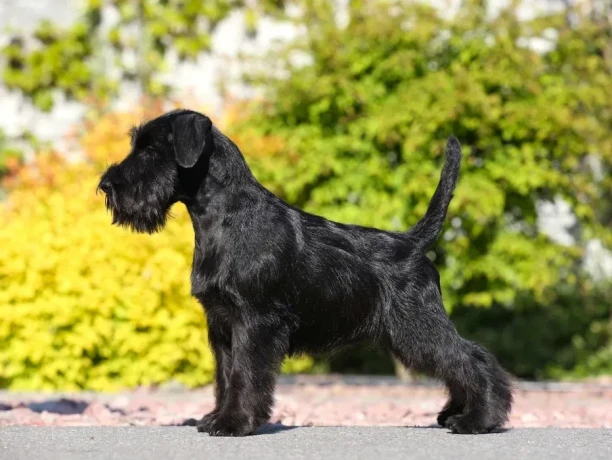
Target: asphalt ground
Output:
[(279, 442)]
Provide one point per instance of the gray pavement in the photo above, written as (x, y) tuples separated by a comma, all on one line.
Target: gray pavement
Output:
[(354, 443)]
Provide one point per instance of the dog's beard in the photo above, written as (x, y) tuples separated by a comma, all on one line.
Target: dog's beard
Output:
[(140, 215)]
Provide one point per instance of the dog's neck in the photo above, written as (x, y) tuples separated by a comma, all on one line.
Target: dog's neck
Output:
[(227, 164), (218, 187)]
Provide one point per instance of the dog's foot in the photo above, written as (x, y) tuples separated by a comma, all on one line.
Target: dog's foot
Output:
[(231, 425), (203, 425), (467, 424), (445, 415), (442, 419)]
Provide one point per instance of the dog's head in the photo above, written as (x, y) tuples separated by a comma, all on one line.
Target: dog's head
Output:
[(141, 189)]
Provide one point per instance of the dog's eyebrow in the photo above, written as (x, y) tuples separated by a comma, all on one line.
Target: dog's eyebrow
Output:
[(133, 132)]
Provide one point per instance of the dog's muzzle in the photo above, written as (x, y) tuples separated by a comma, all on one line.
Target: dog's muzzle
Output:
[(106, 186)]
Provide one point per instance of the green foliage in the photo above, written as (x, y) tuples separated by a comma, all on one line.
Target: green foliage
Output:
[(88, 60), (365, 121), (55, 59), (568, 337)]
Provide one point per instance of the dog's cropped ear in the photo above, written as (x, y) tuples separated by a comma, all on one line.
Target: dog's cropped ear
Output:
[(190, 132)]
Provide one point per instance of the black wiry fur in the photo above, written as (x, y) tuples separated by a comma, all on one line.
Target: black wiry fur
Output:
[(275, 280)]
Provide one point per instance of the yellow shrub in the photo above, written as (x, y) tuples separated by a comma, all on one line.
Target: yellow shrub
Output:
[(88, 305)]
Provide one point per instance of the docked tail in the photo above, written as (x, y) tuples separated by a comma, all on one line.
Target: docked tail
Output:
[(426, 231)]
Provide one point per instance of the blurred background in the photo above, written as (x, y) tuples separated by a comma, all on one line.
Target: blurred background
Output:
[(341, 108)]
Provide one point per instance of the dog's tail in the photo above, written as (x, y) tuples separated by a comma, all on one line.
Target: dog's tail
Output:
[(426, 231)]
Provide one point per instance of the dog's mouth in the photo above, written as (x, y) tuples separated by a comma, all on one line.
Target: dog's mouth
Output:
[(143, 220), (139, 206), (110, 202), (140, 223), (111, 205)]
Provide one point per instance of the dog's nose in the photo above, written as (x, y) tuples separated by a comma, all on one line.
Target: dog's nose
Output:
[(105, 186)]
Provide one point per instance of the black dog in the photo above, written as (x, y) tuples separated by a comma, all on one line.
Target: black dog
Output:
[(276, 281)]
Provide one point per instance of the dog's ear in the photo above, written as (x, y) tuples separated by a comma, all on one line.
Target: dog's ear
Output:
[(190, 132)]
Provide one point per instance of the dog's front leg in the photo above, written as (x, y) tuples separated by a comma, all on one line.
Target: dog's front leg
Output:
[(220, 339), (258, 349)]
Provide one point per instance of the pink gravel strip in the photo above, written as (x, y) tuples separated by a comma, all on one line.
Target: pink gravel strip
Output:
[(307, 402)]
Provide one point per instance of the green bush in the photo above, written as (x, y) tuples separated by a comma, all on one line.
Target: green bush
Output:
[(570, 337)]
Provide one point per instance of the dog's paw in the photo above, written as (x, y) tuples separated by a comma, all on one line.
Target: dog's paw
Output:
[(445, 416), (465, 424), (203, 425), (230, 425), (442, 420)]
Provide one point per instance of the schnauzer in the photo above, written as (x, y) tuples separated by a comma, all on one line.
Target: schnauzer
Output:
[(277, 281)]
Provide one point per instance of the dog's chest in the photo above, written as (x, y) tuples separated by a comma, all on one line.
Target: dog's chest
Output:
[(207, 277)]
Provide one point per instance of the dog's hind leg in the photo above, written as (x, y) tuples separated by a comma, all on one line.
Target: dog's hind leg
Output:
[(258, 349), (487, 388), (424, 339), (455, 404)]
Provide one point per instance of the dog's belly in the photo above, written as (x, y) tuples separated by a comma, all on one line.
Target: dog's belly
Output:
[(338, 304), (316, 340), (328, 326)]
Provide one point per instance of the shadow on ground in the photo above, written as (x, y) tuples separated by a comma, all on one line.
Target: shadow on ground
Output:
[(268, 428)]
